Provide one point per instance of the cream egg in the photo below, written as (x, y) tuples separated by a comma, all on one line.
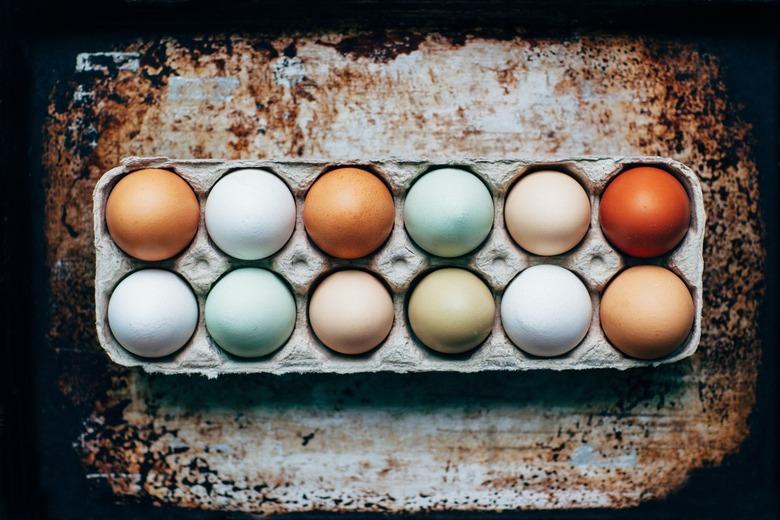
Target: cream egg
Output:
[(152, 313), (546, 310), (547, 212), (250, 214), (351, 311)]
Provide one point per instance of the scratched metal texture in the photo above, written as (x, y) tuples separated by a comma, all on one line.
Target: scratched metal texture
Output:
[(391, 442)]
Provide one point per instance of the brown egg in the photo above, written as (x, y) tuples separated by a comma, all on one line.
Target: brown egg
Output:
[(348, 212), (646, 312), (152, 214), (645, 212)]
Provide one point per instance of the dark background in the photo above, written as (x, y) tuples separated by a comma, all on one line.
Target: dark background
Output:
[(744, 34)]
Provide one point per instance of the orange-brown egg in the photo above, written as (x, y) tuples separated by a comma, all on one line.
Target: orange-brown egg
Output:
[(647, 312), (645, 212), (152, 214), (348, 212)]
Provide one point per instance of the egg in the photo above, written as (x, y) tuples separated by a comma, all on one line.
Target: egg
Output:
[(351, 312), (448, 212), (451, 310), (152, 313), (645, 212), (152, 214), (547, 212), (250, 214), (348, 212), (546, 310), (646, 312), (250, 312)]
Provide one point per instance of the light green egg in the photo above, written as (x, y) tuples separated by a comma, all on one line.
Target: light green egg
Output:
[(448, 212), (250, 312)]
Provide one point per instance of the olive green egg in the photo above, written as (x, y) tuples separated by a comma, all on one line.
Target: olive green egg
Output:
[(451, 310)]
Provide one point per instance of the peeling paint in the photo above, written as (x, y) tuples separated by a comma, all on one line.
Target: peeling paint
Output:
[(106, 61), (586, 456), (182, 89), (288, 72)]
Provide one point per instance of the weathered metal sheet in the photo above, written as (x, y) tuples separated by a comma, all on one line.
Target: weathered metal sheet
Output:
[(390, 442)]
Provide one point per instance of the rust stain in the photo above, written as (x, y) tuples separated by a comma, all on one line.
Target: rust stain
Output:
[(422, 442), (379, 47)]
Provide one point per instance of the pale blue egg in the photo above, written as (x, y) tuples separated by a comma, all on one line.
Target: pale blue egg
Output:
[(250, 312), (448, 212)]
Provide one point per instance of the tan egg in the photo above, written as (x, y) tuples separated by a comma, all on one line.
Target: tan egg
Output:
[(351, 312), (348, 212), (647, 312), (152, 214), (451, 310), (547, 212)]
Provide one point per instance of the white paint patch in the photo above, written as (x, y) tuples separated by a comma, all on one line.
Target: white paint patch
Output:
[(586, 456), (288, 71), (98, 61), (193, 88), (82, 96), (133, 476)]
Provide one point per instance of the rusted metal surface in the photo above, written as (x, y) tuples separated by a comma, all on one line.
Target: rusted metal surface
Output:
[(384, 442)]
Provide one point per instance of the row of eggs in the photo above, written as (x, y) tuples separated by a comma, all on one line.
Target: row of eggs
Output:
[(646, 311), (348, 213)]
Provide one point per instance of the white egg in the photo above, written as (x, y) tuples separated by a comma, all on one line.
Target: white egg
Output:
[(250, 214), (152, 313), (546, 310)]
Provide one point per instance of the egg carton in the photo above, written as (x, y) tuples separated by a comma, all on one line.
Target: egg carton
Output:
[(399, 262)]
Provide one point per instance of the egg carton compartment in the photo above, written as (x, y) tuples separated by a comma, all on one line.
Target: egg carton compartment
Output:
[(398, 262)]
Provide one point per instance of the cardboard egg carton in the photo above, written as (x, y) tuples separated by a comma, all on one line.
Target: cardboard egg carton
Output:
[(399, 262)]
